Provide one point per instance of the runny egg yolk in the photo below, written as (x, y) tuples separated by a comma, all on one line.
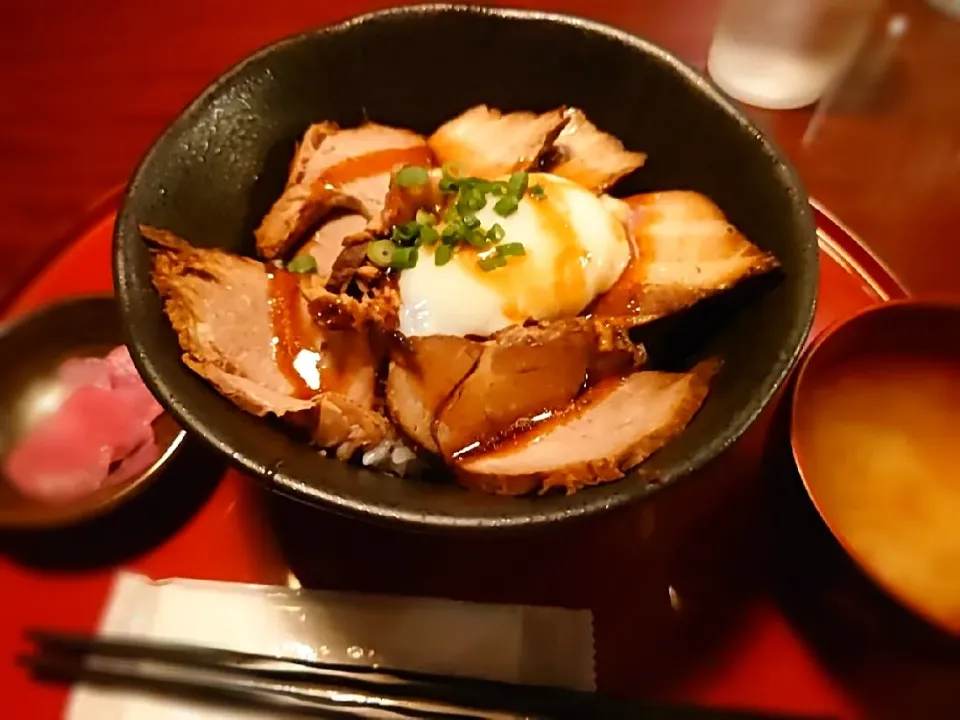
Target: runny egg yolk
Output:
[(576, 247)]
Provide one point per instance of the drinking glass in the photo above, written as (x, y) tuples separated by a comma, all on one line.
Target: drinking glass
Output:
[(785, 53)]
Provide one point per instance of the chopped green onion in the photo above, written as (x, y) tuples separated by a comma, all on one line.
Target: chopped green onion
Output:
[(443, 255), (513, 248), (302, 264), (404, 258), (517, 184), (406, 233), (453, 233), (412, 176), (471, 201), (380, 252), (428, 235), (507, 205), (450, 214), (491, 263), (426, 218), (471, 221), (448, 185), (537, 191), (498, 188), (495, 233), (477, 237)]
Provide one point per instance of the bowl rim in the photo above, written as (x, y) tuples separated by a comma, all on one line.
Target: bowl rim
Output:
[(829, 334), (85, 511), (615, 494)]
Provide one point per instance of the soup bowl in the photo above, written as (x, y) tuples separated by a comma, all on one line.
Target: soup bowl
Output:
[(873, 421)]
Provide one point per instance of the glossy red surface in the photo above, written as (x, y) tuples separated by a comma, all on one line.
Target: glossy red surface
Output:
[(717, 637)]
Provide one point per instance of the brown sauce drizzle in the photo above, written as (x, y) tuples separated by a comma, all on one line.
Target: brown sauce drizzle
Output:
[(375, 163), (569, 278), (527, 430), (292, 334), (626, 295)]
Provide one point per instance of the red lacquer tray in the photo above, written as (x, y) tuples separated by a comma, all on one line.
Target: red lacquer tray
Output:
[(680, 587)]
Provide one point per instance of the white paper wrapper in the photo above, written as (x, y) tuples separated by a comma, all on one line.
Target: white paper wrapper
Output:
[(514, 643)]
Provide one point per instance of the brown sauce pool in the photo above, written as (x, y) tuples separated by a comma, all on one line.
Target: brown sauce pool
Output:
[(375, 163), (875, 436), (294, 340)]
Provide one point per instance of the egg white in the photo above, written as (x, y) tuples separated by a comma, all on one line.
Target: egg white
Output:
[(576, 247)]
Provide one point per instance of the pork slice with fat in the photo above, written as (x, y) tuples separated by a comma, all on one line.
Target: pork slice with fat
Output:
[(610, 429), (590, 157), (684, 250), (328, 241), (485, 142), (219, 306), (525, 372), (422, 375), (335, 169)]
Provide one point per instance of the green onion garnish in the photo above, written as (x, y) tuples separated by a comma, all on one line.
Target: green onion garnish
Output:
[(513, 248), (470, 201), (426, 218), (491, 263), (517, 184), (404, 258), (428, 235), (495, 233), (477, 237), (453, 233), (507, 205), (443, 255), (412, 176), (302, 264), (457, 219), (406, 234), (380, 252)]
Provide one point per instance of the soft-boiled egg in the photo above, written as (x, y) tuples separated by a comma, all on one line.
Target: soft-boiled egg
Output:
[(576, 246)]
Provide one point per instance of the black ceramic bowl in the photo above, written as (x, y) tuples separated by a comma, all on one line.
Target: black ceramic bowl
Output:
[(215, 171)]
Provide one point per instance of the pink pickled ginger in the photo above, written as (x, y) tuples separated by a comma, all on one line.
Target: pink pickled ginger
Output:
[(101, 434)]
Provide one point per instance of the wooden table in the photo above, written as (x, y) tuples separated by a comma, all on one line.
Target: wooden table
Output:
[(87, 86)]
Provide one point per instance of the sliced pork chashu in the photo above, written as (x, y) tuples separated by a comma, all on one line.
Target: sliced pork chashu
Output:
[(326, 244), (590, 157), (610, 429), (336, 168), (526, 371), (450, 393), (484, 142), (420, 379), (218, 304), (684, 250), (224, 310)]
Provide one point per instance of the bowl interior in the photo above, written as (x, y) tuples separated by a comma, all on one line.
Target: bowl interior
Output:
[(215, 172), (31, 350), (873, 440)]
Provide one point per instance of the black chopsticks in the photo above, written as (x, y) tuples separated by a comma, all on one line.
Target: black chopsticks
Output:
[(319, 689)]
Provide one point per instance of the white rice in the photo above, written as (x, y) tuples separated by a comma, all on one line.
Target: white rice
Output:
[(393, 456)]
